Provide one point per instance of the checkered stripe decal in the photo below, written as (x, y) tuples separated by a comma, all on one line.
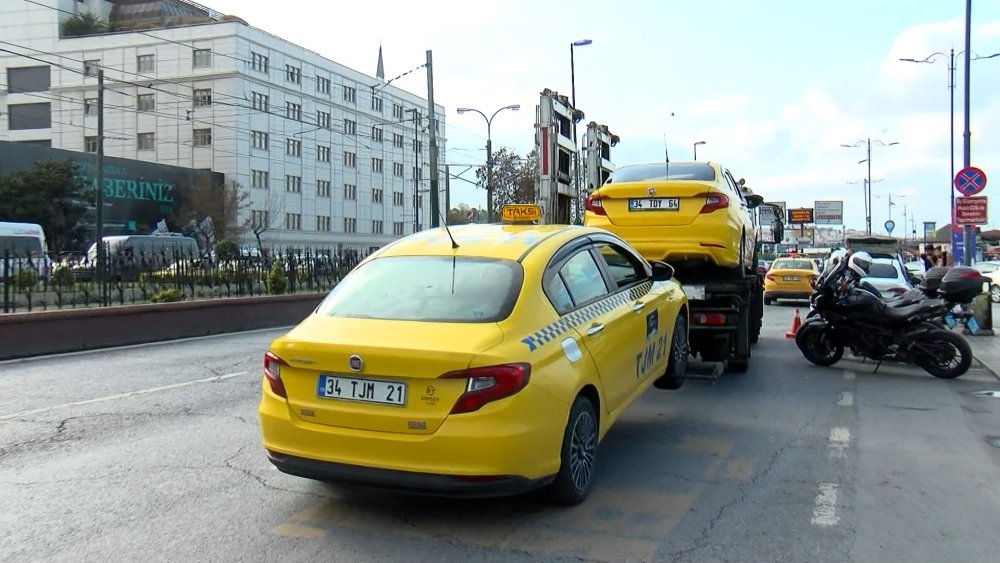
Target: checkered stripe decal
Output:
[(554, 330)]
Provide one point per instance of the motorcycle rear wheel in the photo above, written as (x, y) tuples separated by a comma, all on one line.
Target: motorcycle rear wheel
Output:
[(943, 354), (818, 346)]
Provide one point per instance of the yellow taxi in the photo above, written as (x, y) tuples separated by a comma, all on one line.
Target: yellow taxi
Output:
[(679, 212), (480, 360), (790, 278)]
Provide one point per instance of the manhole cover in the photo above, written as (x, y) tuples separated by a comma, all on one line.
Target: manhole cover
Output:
[(993, 394)]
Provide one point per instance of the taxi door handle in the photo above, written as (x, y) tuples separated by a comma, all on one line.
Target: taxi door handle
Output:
[(594, 329), (638, 306)]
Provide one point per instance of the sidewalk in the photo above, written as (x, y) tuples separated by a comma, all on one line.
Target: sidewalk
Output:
[(986, 349)]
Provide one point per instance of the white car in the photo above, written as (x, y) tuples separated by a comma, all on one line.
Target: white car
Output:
[(888, 275)]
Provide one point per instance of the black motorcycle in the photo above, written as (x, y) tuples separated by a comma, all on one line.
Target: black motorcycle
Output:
[(848, 313)]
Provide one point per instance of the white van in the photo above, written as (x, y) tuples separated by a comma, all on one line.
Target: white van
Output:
[(135, 245), (26, 247)]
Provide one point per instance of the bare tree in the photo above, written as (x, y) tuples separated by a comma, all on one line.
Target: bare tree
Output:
[(211, 212), (265, 217)]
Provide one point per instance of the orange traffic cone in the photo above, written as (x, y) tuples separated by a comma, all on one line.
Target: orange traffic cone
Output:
[(796, 323)]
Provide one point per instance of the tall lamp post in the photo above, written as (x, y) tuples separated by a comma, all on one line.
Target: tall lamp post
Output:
[(576, 146), (868, 144), (696, 148), (489, 153), (966, 134)]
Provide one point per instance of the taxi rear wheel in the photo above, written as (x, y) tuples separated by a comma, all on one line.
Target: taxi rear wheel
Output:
[(578, 456)]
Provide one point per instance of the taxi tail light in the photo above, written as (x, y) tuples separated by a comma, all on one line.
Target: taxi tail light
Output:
[(714, 202), (812, 281), (594, 204), (488, 384), (770, 277), (272, 372)]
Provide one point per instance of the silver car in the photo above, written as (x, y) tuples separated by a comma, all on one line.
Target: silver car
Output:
[(888, 275)]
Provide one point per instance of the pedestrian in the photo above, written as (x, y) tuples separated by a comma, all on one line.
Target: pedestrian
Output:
[(927, 261)]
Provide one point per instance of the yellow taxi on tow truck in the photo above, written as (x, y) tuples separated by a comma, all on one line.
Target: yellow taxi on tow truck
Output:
[(790, 278), (480, 360), (678, 212)]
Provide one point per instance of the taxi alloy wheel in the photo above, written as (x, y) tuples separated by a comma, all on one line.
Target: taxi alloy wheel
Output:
[(578, 456)]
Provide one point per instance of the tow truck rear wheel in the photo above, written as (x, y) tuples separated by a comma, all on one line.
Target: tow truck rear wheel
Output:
[(679, 352)]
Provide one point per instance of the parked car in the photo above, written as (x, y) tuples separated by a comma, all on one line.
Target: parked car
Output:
[(889, 276)]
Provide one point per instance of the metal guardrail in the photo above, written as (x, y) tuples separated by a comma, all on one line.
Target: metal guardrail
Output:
[(37, 283)]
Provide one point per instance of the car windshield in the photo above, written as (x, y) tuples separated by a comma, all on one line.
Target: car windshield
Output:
[(665, 171), (427, 288), (882, 270), (793, 265), (17, 245)]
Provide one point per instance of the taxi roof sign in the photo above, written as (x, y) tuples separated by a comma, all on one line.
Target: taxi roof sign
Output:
[(521, 213)]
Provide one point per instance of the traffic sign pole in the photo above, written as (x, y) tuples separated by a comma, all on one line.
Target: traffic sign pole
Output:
[(969, 181)]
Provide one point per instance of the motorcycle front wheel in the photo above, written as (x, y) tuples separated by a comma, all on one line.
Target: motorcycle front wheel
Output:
[(818, 346), (943, 353)]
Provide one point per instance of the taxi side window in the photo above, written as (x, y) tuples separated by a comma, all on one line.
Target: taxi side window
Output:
[(583, 278), (555, 288), (625, 270)]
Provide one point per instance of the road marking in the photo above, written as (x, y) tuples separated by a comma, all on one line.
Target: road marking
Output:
[(846, 399), (123, 395), (849, 375), (291, 530), (840, 440), (825, 510)]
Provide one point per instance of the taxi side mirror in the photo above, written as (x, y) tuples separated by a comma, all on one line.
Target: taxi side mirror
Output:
[(662, 271)]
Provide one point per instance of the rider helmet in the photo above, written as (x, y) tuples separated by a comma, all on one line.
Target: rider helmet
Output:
[(860, 263)]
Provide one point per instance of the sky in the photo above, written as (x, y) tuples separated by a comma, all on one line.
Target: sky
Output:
[(773, 87)]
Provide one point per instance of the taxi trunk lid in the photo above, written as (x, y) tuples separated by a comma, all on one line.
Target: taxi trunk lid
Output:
[(655, 203), (398, 386)]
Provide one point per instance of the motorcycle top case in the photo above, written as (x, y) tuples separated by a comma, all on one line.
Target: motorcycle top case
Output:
[(932, 279), (962, 284)]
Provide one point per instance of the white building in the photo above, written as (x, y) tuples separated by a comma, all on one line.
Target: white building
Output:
[(328, 154)]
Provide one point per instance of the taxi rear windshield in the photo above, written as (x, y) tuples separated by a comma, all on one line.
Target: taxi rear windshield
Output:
[(428, 288), (793, 265), (691, 171)]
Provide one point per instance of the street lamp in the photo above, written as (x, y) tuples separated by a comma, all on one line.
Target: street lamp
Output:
[(696, 148), (868, 144), (966, 134), (489, 153), (576, 147)]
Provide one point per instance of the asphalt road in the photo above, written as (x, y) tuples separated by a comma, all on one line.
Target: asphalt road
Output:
[(153, 453)]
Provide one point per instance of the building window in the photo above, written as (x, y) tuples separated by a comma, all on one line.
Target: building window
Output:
[(377, 165), (322, 85), (350, 127), (293, 111), (293, 221), (90, 67), (418, 201), (397, 140), (29, 116), (377, 104), (397, 198), (259, 179), (350, 94), (90, 106), (202, 97), (260, 101), (376, 195), (260, 218), (145, 102), (322, 153), (418, 172), (377, 227), (350, 159), (259, 62), (376, 134), (397, 169), (323, 223), (202, 137), (293, 184), (90, 143), (323, 188), (146, 141), (145, 63), (293, 147), (418, 145), (259, 140), (397, 111), (350, 225), (397, 228), (350, 191), (323, 119), (293, 74), (201, 58)]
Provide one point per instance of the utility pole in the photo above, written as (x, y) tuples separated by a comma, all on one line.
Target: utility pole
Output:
[(432, 137), (868, 219), (416, 168), (968, 249), (99, 188)]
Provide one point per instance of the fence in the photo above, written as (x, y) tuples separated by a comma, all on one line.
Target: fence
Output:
[(33, 282)]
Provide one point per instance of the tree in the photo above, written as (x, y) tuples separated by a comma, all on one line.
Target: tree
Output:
[(209, 213), (514, 178), (86, 23), (50, 194), (264, 218)]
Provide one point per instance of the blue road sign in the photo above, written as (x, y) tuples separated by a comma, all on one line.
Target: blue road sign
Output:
[(970, 181), (889, 226)]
